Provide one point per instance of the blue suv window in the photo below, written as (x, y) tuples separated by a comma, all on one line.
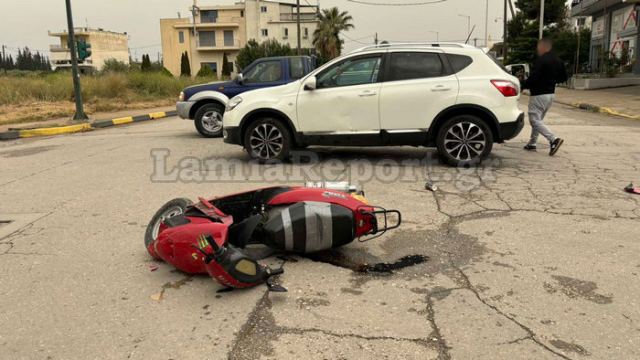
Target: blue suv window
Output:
[(296, 68), (264, 72)]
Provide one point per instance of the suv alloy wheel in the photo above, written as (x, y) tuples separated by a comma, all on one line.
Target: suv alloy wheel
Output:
[(267, 139), (464, 140), (208, 120)]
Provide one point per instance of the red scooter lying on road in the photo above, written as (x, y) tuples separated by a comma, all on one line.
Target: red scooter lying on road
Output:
[(209, 237)]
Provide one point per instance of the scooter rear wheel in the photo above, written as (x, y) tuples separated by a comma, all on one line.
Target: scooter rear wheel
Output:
[(173, 208)]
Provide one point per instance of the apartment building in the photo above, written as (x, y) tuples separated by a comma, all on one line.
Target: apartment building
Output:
[(105, 45), (216, 30), (614, 27)]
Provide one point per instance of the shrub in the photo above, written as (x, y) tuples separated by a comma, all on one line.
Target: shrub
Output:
[(113, 65), (205, 72)]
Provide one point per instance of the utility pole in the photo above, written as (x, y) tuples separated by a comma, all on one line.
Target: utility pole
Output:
[(505, 34), (79, 115), (541, 19), (486, 24), (376, 39), (298, 25)]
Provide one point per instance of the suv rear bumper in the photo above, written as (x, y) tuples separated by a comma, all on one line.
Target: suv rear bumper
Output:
[(232, 135), (510, 130), (184, 108)]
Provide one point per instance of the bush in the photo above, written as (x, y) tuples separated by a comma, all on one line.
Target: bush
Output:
[(127, 87), (205, 72), (113, 65)]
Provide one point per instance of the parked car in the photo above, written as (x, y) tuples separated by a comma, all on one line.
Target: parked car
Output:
[(451, 96), (521, 71), (205, 104)]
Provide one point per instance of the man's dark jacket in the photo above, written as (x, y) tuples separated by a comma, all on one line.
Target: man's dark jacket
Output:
[(548, 70)]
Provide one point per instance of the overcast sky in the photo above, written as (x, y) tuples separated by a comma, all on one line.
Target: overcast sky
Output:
[(26, 22)]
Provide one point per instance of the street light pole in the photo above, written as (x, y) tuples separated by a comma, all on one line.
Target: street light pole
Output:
[(298, 24), (505, 34), (541, 19), (486, 24), (79, 115)]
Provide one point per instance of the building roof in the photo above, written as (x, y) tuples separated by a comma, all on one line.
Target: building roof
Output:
[(86, 31)]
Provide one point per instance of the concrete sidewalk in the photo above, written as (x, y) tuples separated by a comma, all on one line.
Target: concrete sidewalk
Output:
[(621, 101)]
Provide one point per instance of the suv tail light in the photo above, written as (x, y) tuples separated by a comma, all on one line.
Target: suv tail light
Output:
[(506, 88)]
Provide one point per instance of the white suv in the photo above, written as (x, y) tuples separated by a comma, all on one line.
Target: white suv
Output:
[(452, 96)]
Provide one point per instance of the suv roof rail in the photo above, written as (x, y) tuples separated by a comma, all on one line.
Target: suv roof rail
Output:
[(415, 44)]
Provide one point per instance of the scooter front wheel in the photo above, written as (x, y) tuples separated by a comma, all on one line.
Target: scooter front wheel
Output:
[(173, 208)]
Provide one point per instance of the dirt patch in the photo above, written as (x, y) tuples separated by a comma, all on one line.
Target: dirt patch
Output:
[(569, 347), (61, 111), (576, 288)]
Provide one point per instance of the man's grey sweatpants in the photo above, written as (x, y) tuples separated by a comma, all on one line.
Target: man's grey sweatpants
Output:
[(538, 107)]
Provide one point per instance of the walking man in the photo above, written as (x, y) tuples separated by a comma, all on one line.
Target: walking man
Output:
[(548, 70)]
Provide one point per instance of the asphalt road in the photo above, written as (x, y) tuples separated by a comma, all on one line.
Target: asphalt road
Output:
[(529, 257)]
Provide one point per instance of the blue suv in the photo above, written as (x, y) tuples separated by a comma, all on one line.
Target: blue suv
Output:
[(205, 104)]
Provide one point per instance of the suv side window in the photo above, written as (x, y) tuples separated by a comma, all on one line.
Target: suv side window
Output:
[(264, 72), (296, 68), (414, 65), (357, 71), (459, 62)]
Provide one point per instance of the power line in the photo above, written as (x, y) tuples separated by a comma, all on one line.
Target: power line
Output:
[(419, 3)]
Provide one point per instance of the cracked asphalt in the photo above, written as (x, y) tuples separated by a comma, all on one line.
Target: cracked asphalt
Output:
[(528, 257)]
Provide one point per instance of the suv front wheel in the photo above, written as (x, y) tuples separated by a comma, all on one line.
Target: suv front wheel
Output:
[(208, 120), (267, 139), (464, 140)]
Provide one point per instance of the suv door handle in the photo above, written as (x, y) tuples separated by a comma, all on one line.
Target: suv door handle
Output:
[(367, 93), (440, 88)]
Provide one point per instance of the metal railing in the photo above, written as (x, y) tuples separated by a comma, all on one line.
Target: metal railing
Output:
[(294, 17)]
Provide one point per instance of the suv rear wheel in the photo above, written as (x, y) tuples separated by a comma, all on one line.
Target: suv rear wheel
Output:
[(464, 140), (267, 139), (208, 120)]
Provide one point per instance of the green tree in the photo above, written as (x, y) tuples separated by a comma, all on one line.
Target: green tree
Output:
[(254, 50), (326, 38), (205, 72), (146, 63), (185, 66), (226, 65), (523, 33)]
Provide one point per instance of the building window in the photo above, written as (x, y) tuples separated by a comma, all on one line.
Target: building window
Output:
[(228, 38), (241, 13), (286, 33), (181, 37), (264, 32), (208, 16), (263, 9), (207, 38), (213, 66), (306, 33)]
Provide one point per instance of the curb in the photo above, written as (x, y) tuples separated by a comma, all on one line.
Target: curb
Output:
[(100, 124), (598, 109)]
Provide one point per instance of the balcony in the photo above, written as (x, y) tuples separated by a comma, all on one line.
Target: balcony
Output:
[(292, 17), (591, 7), (220, 23), (220, 46), (58, 48)]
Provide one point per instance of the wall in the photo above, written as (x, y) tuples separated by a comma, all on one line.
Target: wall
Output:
[(172, 49)]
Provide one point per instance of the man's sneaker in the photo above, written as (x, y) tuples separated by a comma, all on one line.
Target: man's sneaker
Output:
[(555, 146), (530, 147)]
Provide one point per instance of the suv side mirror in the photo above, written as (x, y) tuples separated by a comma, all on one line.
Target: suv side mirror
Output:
[(311, 83), (240, 79)]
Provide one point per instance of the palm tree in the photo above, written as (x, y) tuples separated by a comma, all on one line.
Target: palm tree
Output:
[(326, 38)]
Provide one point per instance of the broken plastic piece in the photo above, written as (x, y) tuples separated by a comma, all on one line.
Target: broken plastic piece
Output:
[(632, 190)]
